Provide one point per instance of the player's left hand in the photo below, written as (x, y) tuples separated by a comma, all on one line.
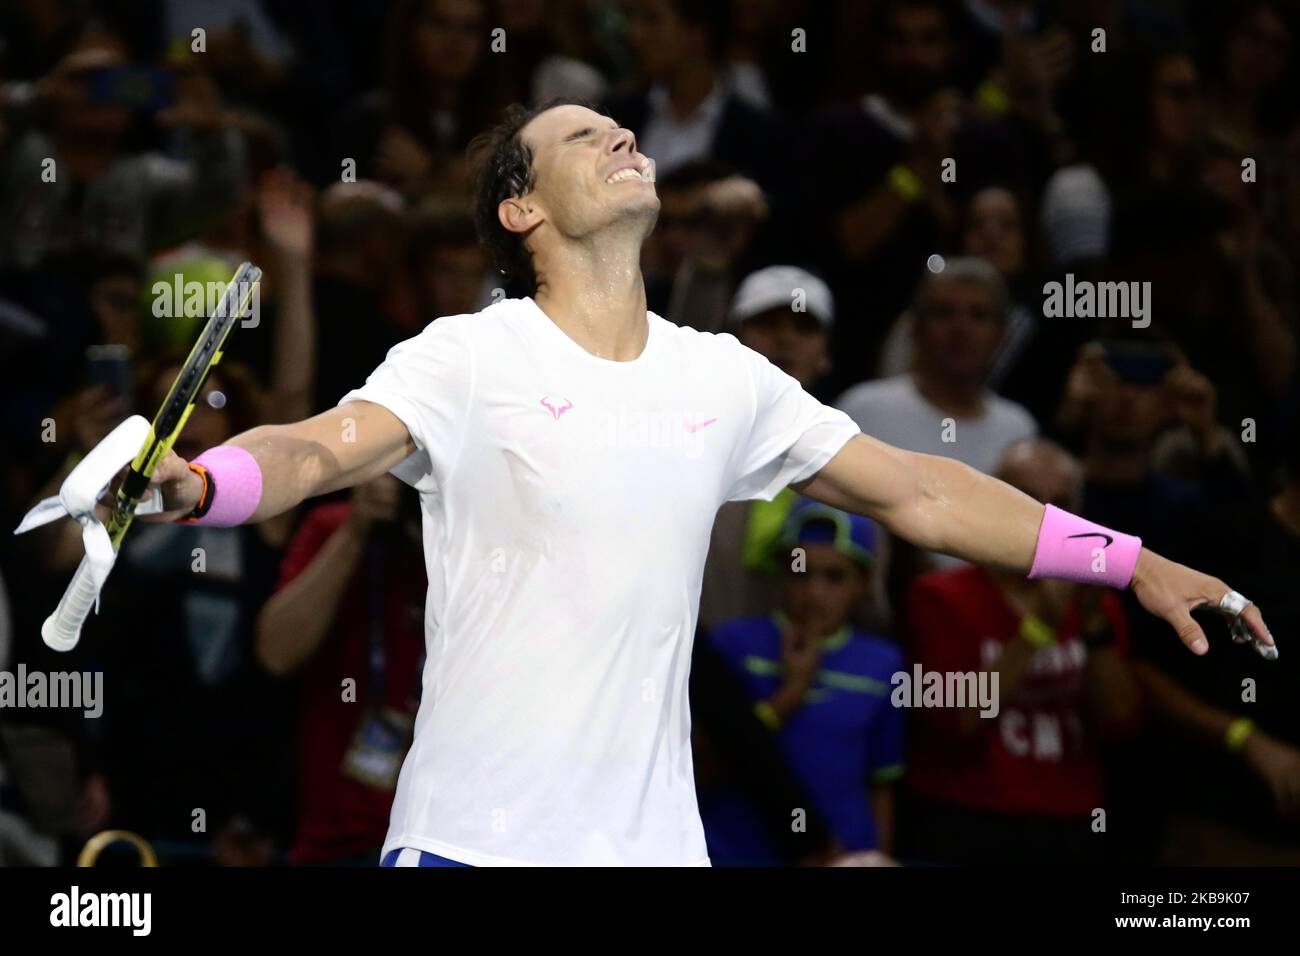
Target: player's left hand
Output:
[(1172, 591)]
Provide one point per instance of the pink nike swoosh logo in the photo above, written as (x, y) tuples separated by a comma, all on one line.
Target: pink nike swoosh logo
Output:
[(696, 427)]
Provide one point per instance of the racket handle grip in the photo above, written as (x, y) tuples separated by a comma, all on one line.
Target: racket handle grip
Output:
[(62, 629)]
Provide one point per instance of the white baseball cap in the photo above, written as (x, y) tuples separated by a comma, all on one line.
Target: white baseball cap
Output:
[(775, 287)]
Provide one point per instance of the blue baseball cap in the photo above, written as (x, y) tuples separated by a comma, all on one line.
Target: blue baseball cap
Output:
[(811, 521)]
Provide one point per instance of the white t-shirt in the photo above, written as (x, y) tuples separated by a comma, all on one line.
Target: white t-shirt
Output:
[(892, 410), (568, 502)]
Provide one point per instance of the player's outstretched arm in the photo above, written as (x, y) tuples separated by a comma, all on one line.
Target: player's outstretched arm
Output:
[(943, 505), (281, 465)]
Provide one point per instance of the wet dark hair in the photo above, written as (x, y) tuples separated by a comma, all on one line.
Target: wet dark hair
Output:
[(505, 171)]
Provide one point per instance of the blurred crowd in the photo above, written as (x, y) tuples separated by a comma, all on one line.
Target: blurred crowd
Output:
[(874, 195)]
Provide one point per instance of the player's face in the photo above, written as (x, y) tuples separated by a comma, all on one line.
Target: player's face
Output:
[(824, 595), (588, 173)]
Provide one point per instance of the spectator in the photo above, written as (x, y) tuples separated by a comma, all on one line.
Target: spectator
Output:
[(38, 35), (1020, 60), (361, 285), (1223, 763), (272, 223), (739, 568), (878, 204), (992, 229), (450, 269), (438, 93), (710, 223), (1130, 397), (1074, 216), (1256, 279), (350, 607), (944, 406), (1094, 91), (1227, 301), (822, 686), (546, 39), (1252, 71), (223, 742), (21, 841), (103, 197), (243, 46), (44, 380), (1019, 786), (689, 111)]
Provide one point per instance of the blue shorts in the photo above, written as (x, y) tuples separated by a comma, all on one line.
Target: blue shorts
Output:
[(409, 857)]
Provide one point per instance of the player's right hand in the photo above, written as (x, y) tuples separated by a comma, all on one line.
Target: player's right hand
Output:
[(180, 488)]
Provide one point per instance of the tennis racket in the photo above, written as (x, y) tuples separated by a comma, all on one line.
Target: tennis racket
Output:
[(62, 629)]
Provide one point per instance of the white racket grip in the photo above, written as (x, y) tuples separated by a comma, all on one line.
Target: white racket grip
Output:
[(62, 629)]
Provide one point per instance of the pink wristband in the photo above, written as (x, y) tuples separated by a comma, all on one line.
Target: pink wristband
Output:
[(1073, 549), (237, 482)]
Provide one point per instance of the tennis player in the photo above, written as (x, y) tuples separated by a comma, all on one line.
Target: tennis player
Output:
[(571, 450)]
